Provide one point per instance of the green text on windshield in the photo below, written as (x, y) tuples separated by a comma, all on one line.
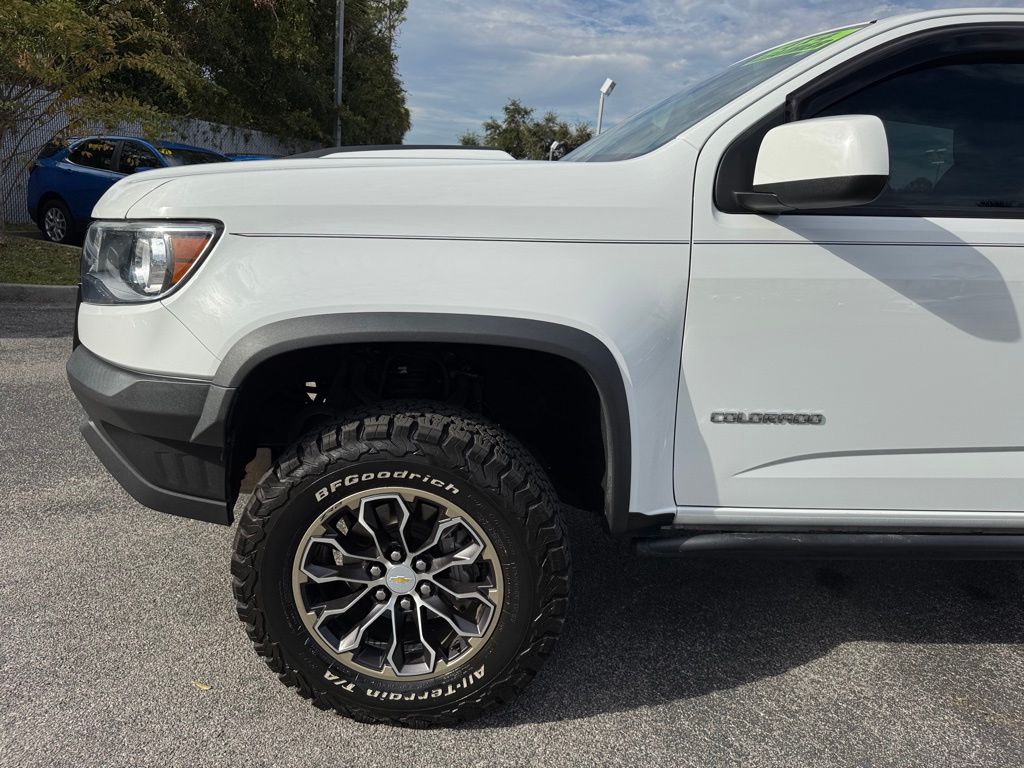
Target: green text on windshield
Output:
[(658, 125)]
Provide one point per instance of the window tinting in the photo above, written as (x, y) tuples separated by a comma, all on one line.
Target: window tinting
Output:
[(181, 156), (94, 153), (135, 157), (955, 134)]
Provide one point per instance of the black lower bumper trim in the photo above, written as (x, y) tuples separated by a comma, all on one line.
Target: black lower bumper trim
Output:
[(141, 427), (839, 546), (136, 402), (145, 492)]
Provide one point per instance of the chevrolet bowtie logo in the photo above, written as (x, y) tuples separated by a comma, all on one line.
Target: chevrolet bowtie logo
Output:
[(400, 580)]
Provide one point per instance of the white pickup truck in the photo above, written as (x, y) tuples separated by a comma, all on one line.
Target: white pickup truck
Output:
[(777, 313)]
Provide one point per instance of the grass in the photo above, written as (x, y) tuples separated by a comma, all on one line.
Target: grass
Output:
[(34, 261)]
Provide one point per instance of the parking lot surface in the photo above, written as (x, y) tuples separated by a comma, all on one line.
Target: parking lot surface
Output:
[(119, 645)]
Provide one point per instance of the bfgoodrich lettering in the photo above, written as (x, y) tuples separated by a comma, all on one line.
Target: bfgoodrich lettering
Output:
[(365, 477)]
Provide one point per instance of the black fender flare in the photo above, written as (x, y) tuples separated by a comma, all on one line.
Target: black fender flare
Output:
[(565, 341)]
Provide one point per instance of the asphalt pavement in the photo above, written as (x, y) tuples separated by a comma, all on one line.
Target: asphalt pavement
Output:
[(119, 645)]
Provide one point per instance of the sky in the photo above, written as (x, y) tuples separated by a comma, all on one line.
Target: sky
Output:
[(461, 60)]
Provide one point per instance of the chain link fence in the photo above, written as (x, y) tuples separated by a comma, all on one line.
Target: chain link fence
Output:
[(223, 138)]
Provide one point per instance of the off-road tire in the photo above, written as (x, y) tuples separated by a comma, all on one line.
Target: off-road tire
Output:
[(518, 510)]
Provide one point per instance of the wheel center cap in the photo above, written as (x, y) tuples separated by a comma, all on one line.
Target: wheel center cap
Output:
[(401, 579)]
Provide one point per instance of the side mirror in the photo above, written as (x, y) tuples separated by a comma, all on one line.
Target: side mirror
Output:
[(826, 162)]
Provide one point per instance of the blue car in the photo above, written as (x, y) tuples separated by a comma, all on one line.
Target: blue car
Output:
[(237, 156), (67, 178)]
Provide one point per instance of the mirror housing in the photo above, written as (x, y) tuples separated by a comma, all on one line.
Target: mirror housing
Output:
[(825, 162)]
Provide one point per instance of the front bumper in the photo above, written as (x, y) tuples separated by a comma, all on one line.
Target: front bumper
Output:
[(146, 431)]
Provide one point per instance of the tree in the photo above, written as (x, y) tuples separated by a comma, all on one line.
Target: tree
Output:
[(524, 137), (373, 100), (72, 59), (270, 65)]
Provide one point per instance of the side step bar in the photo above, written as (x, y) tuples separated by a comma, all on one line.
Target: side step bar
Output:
[(838, 546)]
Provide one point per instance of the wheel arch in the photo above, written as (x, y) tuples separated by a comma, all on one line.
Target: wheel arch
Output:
[(577, 346), (46, 197)]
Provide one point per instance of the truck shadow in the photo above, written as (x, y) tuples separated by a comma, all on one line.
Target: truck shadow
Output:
[(937, 271), (643, 632)]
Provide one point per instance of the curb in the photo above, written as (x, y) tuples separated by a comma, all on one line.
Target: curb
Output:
[(56, 295)]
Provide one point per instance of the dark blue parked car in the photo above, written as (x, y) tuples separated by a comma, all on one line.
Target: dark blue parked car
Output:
[(236, 156), (67, 178)]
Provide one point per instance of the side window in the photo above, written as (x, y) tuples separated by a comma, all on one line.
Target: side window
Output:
[(954, 131), (51, 148), (135, 157), (93, 153)]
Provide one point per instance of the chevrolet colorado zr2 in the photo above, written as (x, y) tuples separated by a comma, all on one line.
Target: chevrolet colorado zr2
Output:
[(777, 313)]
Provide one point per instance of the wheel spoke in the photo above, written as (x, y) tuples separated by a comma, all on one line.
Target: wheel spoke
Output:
[(335, 543), (465, 590), (393, 647), (472, 594), (351, 641), (371, 526), (462, 626), (337, 606), (428, 649), (465, 556), (398, 664), (323, 573), (440, 530)]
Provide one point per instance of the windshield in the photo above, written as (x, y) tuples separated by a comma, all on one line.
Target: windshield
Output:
[(658, 125), (178, 156)]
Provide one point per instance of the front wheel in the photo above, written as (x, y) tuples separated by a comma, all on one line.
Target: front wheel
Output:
[(406, 566)]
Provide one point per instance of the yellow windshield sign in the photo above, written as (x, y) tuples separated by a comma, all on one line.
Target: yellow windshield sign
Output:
[(804, 45)]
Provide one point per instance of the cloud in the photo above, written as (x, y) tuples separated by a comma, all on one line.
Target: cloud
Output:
[(461, 60)]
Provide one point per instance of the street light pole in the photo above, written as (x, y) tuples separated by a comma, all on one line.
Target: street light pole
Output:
[(339, 39), (606, 91)]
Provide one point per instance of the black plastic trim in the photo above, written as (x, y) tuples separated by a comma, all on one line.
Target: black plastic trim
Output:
[(162, 413), (854, 546), (195, 412), (354, 328), (640, 524), (760, 202), (76, 340), (136, 402), (814, 194), (378, 148), (735, 173), (146, 492)]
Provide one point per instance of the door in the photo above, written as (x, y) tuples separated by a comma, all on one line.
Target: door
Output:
[(871, 358), (88, 172)]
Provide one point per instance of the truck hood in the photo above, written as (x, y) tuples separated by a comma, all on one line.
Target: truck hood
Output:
[(435, 195)]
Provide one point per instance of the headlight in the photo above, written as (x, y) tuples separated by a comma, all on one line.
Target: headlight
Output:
[(131, 261)]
